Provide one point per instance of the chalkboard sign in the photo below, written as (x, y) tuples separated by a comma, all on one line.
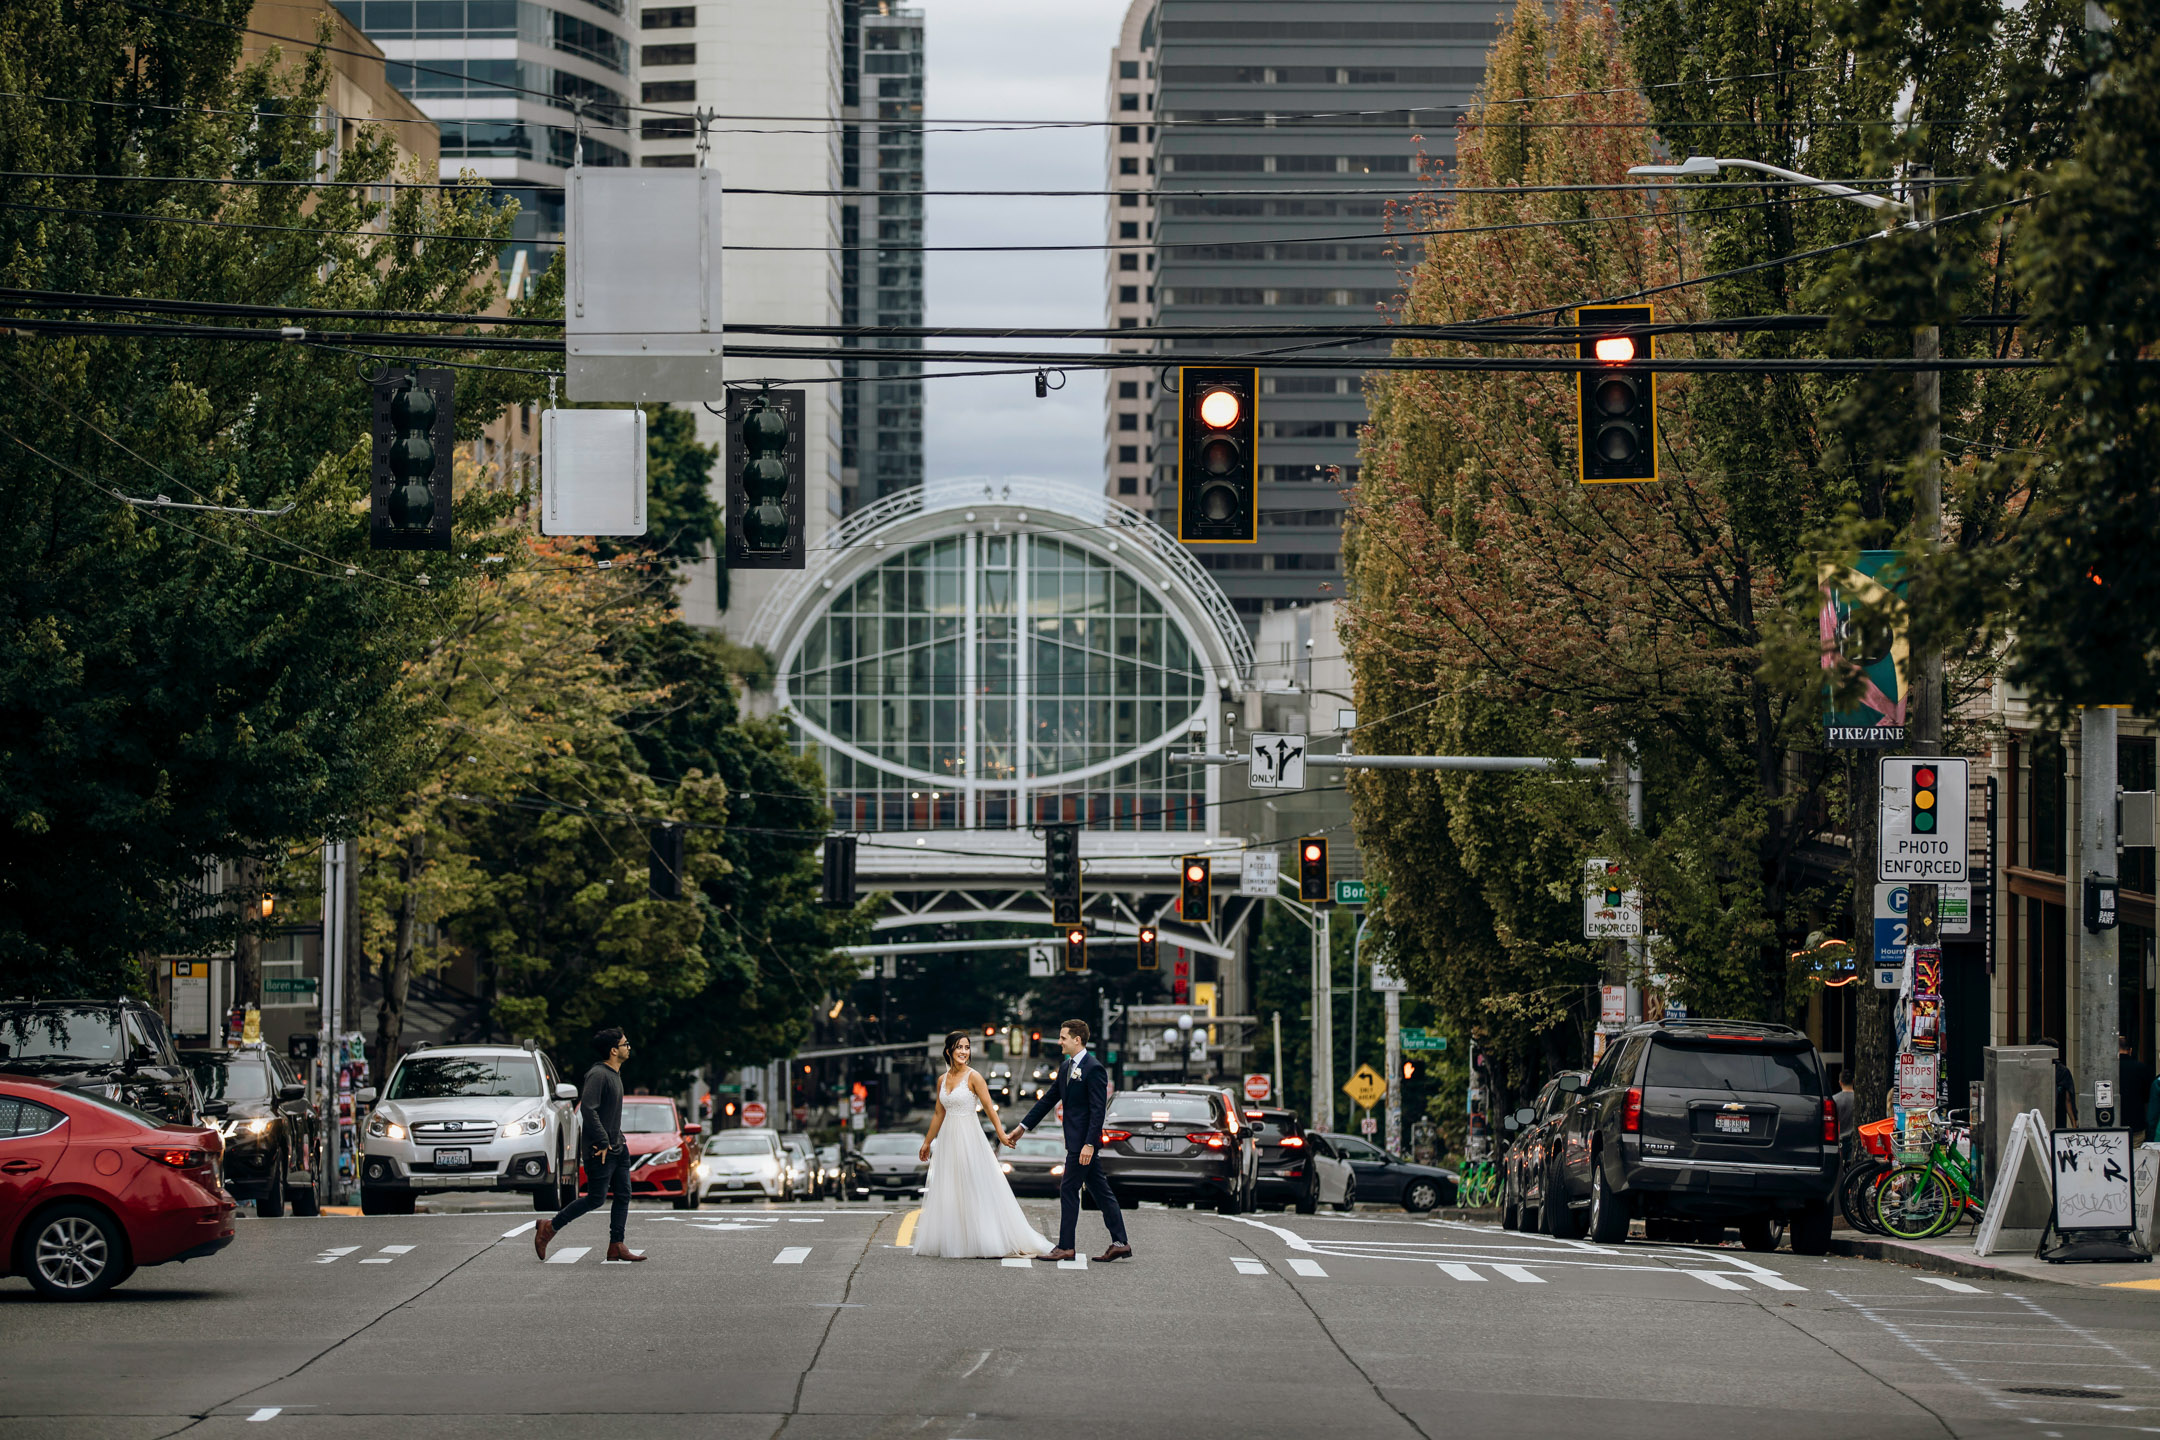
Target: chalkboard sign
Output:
[(2095, 1186)]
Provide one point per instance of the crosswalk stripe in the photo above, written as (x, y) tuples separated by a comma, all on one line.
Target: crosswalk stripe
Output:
[(1248, 1267), (1519, 1275), (792, 1255), (570, 1256), (1711, 1277), (1461, 1272), (1959, 1286), (1016, 1262), (397, 1249), (1078, 1262), (266, 1412), (1309, 1267), (1773, 1282), (513, 1234), (329, 1257)]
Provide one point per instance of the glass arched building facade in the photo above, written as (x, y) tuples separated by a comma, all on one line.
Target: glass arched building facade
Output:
[(996, 655)]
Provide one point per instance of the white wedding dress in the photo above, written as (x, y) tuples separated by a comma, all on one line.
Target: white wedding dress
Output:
[(968, 1209)]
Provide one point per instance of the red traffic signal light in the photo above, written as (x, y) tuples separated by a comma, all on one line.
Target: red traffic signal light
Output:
[(859, 1090), (1312, 882), (1150, 953), (1615, 404), (1218, 499), (1194, 901), (1075, 948)]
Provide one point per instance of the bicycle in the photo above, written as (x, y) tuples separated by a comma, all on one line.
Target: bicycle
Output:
[(1856, 1190), (1926, 1198), (1477, 1184)]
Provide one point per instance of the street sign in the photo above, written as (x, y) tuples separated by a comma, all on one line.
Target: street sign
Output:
[(1916, 1081), (753, 1114), (1922, 822), (1608, 912), (1278, 762), (1419, 1039), (1385, 979), (1258, 1088), (1260, 874), (1612, 1005), (1366, 1087), (1890, 934), (290, 984), (1887, 977), (1041, 964), (1367, 1125), (1354, 892)]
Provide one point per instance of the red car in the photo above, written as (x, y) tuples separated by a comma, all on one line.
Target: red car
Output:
[(663, 1151), (91, 1189)]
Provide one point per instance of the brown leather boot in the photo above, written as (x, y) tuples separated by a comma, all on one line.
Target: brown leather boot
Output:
[(617, 1250), (543, 1234)]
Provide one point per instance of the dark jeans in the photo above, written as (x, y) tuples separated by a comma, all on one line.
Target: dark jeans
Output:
[(1069, 1200), (603, 1178)]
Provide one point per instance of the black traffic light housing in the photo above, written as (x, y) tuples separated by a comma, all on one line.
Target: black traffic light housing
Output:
[(840, 872), (664, 861), (1312, 869), (414, 427), (1616, 403), (1926, 799), (1150, 949), (765, 439), (1218, 470), (1194, 902), (1075, 949), (1061, 872)]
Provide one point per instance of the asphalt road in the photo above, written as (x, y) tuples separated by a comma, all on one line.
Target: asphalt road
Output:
[(813, 1322)]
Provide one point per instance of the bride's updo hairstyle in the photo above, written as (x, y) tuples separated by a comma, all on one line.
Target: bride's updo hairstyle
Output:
[(952, 1043)]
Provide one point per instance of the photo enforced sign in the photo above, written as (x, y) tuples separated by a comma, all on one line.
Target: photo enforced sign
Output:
[(1922, 820)]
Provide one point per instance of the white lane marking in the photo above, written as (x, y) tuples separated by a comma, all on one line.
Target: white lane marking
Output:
[(805, 1222), (330, 1257), (268, 1412), (1957, 1285), (1461, 1272), (1309, 1267), (1771, 1280), (1248, 1267), (570, 1256), (513, 1234), (793, 1255), (980, 1361), (1711, 1277), (1078, 1262), (1519, 1275), (1017, 1262), (398, 1249)]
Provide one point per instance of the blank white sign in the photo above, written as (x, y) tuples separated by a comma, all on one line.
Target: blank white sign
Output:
[(592, 472)]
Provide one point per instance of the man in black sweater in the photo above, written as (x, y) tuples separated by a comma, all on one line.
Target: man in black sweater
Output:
[(606, 1155)]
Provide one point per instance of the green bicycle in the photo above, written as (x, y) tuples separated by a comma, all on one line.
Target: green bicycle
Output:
[(1477, 1184), (1925, 1198)]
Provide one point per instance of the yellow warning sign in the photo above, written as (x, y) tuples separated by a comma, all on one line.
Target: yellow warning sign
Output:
[(1366, 1087)]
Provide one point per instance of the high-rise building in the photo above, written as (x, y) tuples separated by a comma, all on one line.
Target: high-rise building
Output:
[(511, 82), (881, 165), (1283, 129), (1129, 265)]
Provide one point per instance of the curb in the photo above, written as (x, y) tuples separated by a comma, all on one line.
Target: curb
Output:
[(1917, 1258)]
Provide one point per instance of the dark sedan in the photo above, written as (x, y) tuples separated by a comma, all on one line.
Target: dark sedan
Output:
[(269, 1131), (1287, 1175), (1185, 1149), (1384, 1179)]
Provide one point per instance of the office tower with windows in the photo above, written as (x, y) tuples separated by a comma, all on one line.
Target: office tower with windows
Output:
[(1283, 129), (881, 166), (505, 80), (1129, 263)]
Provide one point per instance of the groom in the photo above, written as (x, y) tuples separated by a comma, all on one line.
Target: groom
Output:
[(1083, 1086)]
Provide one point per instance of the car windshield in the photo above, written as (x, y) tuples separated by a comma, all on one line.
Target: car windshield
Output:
[(892, 1145), (442, 1077), (1351, 1149), (1762, 1072), (739, 1145), (828, 1152), (1033, 1145), (221, 1075), (60, 1032), (646, 1118), (1173, 1109)]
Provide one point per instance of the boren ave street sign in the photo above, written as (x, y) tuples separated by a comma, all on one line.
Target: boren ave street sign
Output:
[(1922, 830)]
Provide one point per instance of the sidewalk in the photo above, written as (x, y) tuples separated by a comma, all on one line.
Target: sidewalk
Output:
[(1955, 1257)]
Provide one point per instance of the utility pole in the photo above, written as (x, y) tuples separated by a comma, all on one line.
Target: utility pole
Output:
[(1393, 1000), (1924, 709), (1282, 1081), (2099, 993), (1323, 1024)]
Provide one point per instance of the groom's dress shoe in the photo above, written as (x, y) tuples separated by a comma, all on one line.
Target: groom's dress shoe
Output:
[(543, 1233), (1056, 1255), (616, 1250), (1115, 1252)]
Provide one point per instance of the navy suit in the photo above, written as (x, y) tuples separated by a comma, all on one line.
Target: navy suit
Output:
[(1083, 1086)]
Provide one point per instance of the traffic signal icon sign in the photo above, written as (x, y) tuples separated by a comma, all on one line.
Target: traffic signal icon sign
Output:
[(1218, 489), (1194, 902), (414, 426), (1616, 403), (1061, 872), (1312, 883), (765, 480), (1150, 951)]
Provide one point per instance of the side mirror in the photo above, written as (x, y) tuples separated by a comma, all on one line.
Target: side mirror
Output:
[(365, 1095), (1525, 1116), (215, 1109), (1571, 1083), (288, 1093), (566, 1092), (693, 1130), (1510, 1124)]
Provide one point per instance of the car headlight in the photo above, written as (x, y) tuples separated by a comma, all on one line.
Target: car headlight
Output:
[(383, 1128), (530, 1125), (669, 1157), (701, 1169), (258, 1126), (1006, 1166), (105, 1092), (1058, 1169)]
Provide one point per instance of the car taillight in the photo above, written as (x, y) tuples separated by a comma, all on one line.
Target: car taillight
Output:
[(1292, 1142), (1111, 1137), (1829, 1122), (178, 1156), (1631, 1115), (1213, 1139)]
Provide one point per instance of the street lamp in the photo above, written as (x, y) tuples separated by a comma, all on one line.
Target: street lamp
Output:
[(1701, 166), (1184, 1042)]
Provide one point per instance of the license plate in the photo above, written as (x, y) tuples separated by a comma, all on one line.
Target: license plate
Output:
[(1151, 1146), (1732, 1124), (455, 1159)]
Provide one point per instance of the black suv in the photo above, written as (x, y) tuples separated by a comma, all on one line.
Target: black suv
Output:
[(269, 1130), (115, 1049), (1701, 1120)]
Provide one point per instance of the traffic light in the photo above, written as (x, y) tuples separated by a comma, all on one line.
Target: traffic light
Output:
[(664, 861), (765, 480), (1061, 872), (1218, 490), (414, 428), (1312, 868), (1613, 894), (840, 872), (1616, 404), (1926, 800), (1193, 901), (1150, 952), (1075, 949)]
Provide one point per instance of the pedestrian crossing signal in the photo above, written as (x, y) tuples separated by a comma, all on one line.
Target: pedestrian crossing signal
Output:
[(1312, 884), (1194, 902), (1150, 952), (1075, 949)]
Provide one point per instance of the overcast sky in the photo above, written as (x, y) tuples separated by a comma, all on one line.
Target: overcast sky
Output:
[(1015, 59)]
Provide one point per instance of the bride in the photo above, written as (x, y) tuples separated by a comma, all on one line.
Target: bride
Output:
[(968, 1208)]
